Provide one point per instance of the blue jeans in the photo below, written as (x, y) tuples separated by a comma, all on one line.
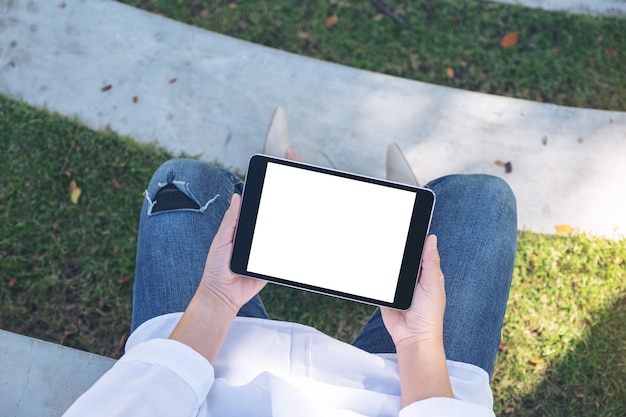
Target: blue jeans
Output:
[(474, 219)]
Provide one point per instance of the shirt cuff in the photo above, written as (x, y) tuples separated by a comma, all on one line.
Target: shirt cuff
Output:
[(179, 358)]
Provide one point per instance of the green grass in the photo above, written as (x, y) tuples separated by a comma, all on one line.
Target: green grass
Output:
[(560, 58), (64, 270)]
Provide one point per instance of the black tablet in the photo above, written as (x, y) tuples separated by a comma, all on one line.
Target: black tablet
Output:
[(331, 232)]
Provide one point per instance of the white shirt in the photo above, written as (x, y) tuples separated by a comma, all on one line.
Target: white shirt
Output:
[(266, 368)]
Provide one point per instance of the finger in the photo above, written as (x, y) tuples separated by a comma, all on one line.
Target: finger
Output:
[(226, 231), (430, 272)]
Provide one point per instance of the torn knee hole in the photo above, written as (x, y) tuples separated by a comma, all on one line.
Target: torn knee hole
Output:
[(171, 197)]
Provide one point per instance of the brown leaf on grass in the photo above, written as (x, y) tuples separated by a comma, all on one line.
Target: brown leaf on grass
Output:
[(332, 20), (503, 347), (450, 72), (116, 183), (543, 299), (563, 228), (509, 40), (106, 88), (232, 5), (464, 63), (123, 279), (73, 185), (536, 361), (56, 225), (378, 17), (12, 282)]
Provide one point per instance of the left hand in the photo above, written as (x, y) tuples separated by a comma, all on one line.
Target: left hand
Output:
[(217, 279), (423, 321)]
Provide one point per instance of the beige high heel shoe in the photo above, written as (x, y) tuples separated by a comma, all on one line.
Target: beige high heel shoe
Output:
[(398, 169), (277, 136)]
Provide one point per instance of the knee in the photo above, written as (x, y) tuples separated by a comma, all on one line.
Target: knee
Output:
[(483, 189)]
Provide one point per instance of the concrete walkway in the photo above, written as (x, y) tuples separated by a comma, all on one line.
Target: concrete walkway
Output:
[(199, 92), (591, 7)]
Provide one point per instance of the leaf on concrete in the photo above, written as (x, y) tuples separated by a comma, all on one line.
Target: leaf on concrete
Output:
[(563, 228), (509, 40), (106, 88), (332, 20)]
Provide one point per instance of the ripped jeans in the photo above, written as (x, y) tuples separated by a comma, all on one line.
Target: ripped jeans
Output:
[(475, 220)]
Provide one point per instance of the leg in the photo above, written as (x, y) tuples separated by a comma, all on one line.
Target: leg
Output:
[(184, 205), (476, 222)]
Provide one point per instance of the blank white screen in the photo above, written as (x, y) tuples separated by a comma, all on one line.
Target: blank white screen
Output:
[(331, 232)]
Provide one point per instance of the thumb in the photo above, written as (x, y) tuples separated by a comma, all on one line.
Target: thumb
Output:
[(226, 231), (431, 276)]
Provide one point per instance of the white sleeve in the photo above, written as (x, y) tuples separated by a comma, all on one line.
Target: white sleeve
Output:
[(446, 407), (159, 377)]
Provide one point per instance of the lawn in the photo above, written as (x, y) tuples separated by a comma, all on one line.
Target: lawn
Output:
[(66, 268)]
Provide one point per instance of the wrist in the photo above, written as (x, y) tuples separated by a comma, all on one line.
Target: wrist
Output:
[(423, 370), (205, 324)]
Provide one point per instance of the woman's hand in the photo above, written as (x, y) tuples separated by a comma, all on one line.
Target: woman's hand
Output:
[(220, 295), (217, 279), (418, 334), (423, 321)]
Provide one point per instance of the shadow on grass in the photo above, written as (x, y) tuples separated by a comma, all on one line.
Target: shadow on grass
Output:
[(591, 379)]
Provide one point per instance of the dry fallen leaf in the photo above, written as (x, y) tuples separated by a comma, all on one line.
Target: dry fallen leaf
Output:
[(173, 80), (503, 347), (116, 183), (232, 5), (536, 361), (75, 195), (450, 72), (332, 20), (509, 40), (106, 88), (564, 228), (123, 279), (73, 185), (500, 163), (378, 17), (543, 299), (12, 282), (135, 99), (464, 63)]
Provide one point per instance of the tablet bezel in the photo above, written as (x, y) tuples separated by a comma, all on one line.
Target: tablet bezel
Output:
[(416, 235)]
